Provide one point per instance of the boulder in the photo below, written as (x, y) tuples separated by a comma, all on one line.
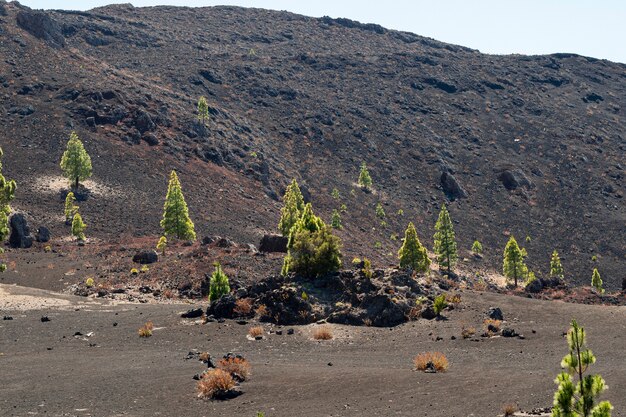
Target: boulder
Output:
[(383, 311), (286, 306), (508, 332), (194, 313), (451, 187), (20, 232), (143, 122), (225, 243), (222, 307), (428, 313), (146, 257), (534, 287), (513, 179), (22, 111), (150, 139), (273, 243), (495, 313), (42, 26), (43, 234)]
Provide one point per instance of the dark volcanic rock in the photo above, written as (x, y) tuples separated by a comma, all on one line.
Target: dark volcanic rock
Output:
[(150, 139), (495, 313), (146, 257), (383, 311), (273, 243), (624, 284), (143, 122), (508, 332), (43, 234), (22, 111), (534, 287), (222, 307), (20, 232), (513, 179), (451, 186), (193, 313), (428, 313), (41, 25)]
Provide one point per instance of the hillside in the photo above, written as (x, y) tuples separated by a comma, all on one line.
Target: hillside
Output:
[(523, 145)]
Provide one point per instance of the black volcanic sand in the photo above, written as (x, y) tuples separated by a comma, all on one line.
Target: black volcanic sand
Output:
[(46, 370)]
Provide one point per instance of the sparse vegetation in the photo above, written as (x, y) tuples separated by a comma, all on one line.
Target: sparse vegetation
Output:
[(380, 211), (89, 282), (431, 361), (218, 284), (509, 409), (70, 207), (365, 180), (556, 269), (440, 304), (367, 269), (134, 271), (203, 110), (492, 326), (579, 398), (215, 383), (176, 221), (468, 332), (336, 220), (596, 281), (162, 245), (78, 227), (144, 269), (477, 247), (243, 306), (335, 194), (256, 331), (323, 332), (293, 206), (412, 254), (146, 329), (514, 267), (239, 368), (445, 243), (75, 162), (7, 193)]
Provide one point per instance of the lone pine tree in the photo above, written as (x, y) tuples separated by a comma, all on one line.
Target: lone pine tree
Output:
[(335, 221), (579, 398), (412, 254), (513, 266), (477, 247), (596, 280), (70, 207), (203, 109), (78, 227), (75, 162), (162, 244), (218, 284), (556, 269), (445, 244), (365, 180), (176, 221), (293, 205)]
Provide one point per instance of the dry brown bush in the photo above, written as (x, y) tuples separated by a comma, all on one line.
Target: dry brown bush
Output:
[(256, 331), (146, 330), (509, 409), (215, 383), (243, 306), (427, 360), (238, 368), (492, 327), (324, 332), (468, 332)]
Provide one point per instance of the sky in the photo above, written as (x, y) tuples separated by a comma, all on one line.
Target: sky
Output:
[(594, 28)]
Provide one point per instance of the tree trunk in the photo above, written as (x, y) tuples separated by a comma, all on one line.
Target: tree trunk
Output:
[(76, 184)]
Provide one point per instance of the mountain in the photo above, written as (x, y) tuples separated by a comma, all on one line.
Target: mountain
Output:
[(516, 145)]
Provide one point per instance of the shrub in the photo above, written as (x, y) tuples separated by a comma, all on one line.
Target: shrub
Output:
[(323, 332), (477, 247), (203, 110), (146, 329), (304, 296), (556, 269), (261, 311), (204, 357), (380, 212), (492, 326), (293, 205), (436, 361), (237, 367), (453, 298), (343, 208), (134, 271), (218, 284), (594, 258), (243, 306), (467, 332), (144, 269), (335, 221), (256, 331), (367, 268), (89, 282), (70, 207), (335, 194), (400, 212), (440, 304), (578, 399), (509, 409), (47, 248), (215, 383), (378, 244)]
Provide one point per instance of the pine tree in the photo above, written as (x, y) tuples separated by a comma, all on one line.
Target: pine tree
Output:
[(578, 399), (336, 220), (556, 269), (203, 109), (293, 205), (412, 254), (312, 248), (76, 162), (335, 194), (445, 244), (7, 193), (176, 221), (218, 284), (161, 245), (514, 267), (70, 207), (78, 227), (596, 281), (477, 247), (380, 211), (365, 181)]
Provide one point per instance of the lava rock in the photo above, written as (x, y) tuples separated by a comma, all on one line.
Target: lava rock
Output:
[(534, 287), (495, 313), (593, 98), (513, 179), (150, 139), (146, 257), (624, 284), (43, 234), (222, 308), (273, 243), (508, 332), (22, 111), (143, 122), (428, 313), (42, 26), (383, 311), (193, 313), (451, 187), (225, 243), (45, 319), (20, 232)]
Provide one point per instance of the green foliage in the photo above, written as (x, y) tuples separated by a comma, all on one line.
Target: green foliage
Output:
[(530, 277), (556, 269), (75, 162), (304, 296), (203, 110), (218, 284), (367, 268), (162, 244), (400, 212), (335, 194), (144, 269), (594, 258), (356, 261), (380, 212), (596, 281), (312, 248), (578, 398), (353, 192), (477, 247), (70, 207), (336, 220), (89, 282), (383, 224), (293, 205), (513, 266), (134, 271), (7, 193), (3, 267), (378, 244), (176, 221), (365, 180), (343, 208), (393, 236), (528, 239), (445, 244), (78, 227), (412, 254), (440, 304)]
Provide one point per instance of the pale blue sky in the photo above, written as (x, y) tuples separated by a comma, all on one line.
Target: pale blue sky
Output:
[(588, 27)]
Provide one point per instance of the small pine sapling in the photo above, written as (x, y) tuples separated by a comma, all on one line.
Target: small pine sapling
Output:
[(513, 266), (412, 254), (445, 243), (380, 211), (440, 304), (336, 220), (203, 110), (596, 281), (556, 269), (335, 194), (218, 284), (365, 180), (176, 221), (75, 162), (161, 245), (477, 247), (70, 208), (78, 227)]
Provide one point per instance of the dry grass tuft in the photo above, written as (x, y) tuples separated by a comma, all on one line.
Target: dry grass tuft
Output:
[(492, 327), (243, 306), (215, 383), (256, 331), (468, 332), (204, 357), (453, 298), (238, 368), (324, 332), (261, 311), (146, 330), (435, 361), (509, 409)]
